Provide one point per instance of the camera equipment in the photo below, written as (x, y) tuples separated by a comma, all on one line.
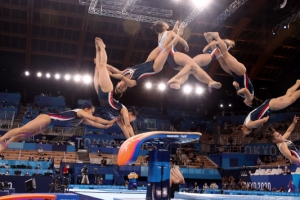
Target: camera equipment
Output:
[(60, 184), (96, 176)]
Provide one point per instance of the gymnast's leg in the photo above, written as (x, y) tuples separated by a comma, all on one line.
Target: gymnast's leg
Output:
[(101, 76), (289, 98), (31, 127)]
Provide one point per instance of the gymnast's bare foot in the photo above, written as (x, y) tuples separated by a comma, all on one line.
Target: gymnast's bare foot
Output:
[(229, 43), (207, 38), (214, 35), (175, 86), (181, 28), (100, 43), (214, 84)]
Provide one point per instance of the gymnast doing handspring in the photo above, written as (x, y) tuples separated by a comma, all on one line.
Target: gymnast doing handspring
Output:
[(286, 147), (104, 89), (178, 60), (229, 64)]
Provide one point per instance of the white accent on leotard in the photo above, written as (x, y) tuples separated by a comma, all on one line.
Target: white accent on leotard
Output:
[(162, 40), (287, 142)]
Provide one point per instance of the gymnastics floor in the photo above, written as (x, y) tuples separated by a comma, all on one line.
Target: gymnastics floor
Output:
[(118, 194)]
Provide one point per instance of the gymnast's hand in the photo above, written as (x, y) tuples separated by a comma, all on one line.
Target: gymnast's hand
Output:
[(116, 76), (113, 121), (186, 47), (108, 126), (296, 119)]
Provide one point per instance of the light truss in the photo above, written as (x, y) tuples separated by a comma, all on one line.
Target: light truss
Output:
[(229, 11), (129, 6), (128, 11), (286, 22)]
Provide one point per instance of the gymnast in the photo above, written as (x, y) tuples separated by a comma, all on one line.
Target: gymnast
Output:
[(228, 63), (131, 76), (286, 147), (70, 117), (176, 178), (178, 60), (261, 114), (104, 89)]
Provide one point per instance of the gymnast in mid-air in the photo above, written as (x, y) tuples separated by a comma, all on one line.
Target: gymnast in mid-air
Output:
[(261, 114), (178, 60), (71, 118), (285, 146), (104, 88), (156, 60)]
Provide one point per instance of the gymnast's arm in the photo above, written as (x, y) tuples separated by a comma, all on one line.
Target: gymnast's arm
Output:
[(95, 124), (123, 128), (175, 28), (291, 128), (127, 81), (180, 40), (125, 116), (286, 152), (92, 118), (256, 123), (113, 69)]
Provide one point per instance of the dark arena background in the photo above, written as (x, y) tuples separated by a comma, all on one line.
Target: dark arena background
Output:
[(188, 143)]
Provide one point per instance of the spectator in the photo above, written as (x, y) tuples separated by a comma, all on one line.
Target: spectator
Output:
[(265, 188), (26, 174), (282, 189), (103, 162), (38, 167), (259, 161), (6, 166), (205, 186), (291, 187), (40, 151), (7, 172), (31, 158), (274, 189), (99, 152), (1, 156)]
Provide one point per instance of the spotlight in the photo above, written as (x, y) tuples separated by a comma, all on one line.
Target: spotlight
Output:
[(87, 79), (39, 74), (230, 105), (187, 89), (148, 85), (57, 76), (27, 73), (48, 75), (67, 77), (221, 105), (199, 90), (161, 86), (285, 26), (201, 3), (77, 78)]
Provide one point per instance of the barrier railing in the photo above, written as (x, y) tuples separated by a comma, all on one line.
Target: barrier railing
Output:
[(7, 118)]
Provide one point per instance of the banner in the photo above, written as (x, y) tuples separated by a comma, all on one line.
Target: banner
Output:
[(270, 181), (262, 149), (86, 140)]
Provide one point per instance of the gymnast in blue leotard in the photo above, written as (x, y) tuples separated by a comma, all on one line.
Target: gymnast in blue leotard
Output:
[(286, 147), (260, 115), (70, 118), (178, 60), (110, 107)]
